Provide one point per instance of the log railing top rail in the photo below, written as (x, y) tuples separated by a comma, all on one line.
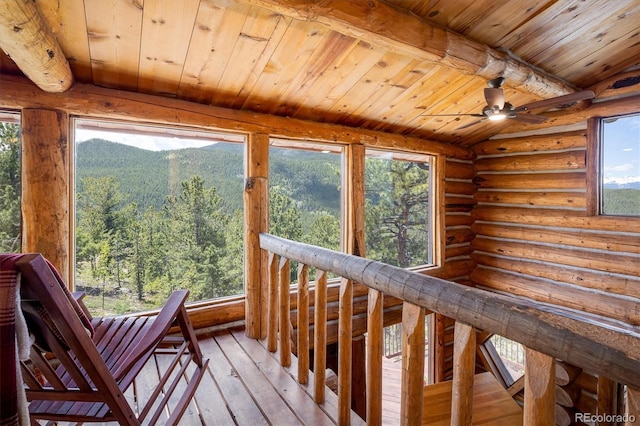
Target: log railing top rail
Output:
[(597, 347)]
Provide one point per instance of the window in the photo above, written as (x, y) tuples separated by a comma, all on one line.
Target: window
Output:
[(620, 166), (10, 182), (305, 193), (156, 209), (399, 209)]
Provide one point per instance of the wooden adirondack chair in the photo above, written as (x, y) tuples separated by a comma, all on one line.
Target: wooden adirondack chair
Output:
[(80, 367)]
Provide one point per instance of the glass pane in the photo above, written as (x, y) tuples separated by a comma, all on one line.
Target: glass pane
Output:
[(305, 194), (398, 214), (512, 355), (157, 209), (10, 183), (620, 171)]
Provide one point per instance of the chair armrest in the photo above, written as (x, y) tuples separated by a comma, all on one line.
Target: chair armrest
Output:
[(79, 296)]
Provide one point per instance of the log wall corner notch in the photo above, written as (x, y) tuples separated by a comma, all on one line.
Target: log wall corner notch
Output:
[(30, 43)]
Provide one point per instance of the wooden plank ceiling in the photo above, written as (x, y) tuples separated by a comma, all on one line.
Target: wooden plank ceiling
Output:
[(368, 64)]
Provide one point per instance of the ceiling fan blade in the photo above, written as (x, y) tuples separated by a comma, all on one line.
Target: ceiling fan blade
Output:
[(558, 101), (466, 126), (530, 118), (494, 97)]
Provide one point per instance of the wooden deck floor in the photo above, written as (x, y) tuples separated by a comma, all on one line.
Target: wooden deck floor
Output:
[(245, 385)]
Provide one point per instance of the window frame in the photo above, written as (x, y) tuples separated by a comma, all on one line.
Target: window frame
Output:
[(436, 218), (594, 166), (162, 129)]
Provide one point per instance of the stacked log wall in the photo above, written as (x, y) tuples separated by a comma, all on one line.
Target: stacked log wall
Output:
[(534, 237)]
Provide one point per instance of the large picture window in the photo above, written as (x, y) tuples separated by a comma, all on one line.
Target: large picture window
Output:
[(399, 209), (620, 166), (156, 209), (10, 182)]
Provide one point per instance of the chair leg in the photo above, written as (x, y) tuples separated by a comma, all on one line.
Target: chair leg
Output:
[(188, 393)]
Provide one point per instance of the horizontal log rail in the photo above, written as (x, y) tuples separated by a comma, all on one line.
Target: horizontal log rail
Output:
[(547, 332)]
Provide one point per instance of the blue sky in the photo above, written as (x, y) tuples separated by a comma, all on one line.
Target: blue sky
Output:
[(621, 154)]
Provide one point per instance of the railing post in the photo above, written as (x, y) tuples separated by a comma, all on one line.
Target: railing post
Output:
[(412, 364), (374, 357), (320, 336), (539, 389), (303, 324), (285, 315), (606, 392), (632, 407), (345, 326), (464, 364), (272, 330)]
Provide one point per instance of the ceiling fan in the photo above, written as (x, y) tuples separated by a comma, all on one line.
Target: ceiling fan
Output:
[(498, 109)]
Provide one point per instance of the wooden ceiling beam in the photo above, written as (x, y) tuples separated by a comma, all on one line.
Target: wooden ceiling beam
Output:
[(376, 22), (30, 43)]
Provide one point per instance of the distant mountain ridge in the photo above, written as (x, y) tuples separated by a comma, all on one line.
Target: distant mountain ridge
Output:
[(147, 177), (622, 185)]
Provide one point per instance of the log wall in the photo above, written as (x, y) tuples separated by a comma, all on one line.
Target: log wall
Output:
[(534, 236)]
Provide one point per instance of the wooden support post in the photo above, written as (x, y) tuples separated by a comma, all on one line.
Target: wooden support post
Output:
[(464, 364), (412, 364), (606, 398), (45, 187), (439, 344), (359, 376), (344, 351), (320, 336), (632, 407), (256, 214), (272, 332), (353, 184), (284, 271), (539, 389), (303, 324), (374, 357)]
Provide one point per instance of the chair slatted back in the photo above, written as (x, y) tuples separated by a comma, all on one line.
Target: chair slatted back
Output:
[(81, 373)]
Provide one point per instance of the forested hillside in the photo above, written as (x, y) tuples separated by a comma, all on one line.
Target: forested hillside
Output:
[(151, 221), (149, 176)]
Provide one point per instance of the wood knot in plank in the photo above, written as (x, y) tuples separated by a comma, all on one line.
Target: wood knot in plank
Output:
[(249, 183)]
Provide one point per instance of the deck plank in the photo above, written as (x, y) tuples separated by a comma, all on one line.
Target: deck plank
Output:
[(209, 401), (266, 396), (238, 400), (292, 392), (330, 405)]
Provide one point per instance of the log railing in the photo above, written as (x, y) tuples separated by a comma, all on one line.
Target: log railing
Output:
[(546, 332)]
